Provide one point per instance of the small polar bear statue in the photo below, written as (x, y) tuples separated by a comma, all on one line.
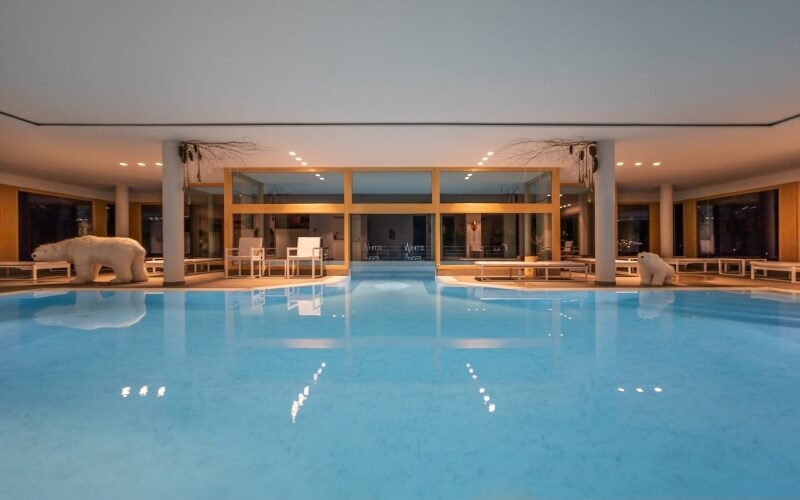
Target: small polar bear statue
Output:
[(653, 270), (124, 256)]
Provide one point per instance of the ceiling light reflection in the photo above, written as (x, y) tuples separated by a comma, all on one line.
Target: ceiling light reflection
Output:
[(302, 397)]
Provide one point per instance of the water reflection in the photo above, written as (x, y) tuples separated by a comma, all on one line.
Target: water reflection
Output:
[(306, 300), (94, 310), (652, 303)]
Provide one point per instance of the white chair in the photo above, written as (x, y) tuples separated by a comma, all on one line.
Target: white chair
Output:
[(569, 248), (249, 251), (308, 249)]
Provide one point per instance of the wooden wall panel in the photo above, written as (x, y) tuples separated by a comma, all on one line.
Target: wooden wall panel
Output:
[(655, 228), (9, 223), (99, 218), (789, 222), (135, 221)]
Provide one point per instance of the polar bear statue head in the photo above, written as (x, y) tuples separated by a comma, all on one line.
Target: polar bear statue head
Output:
[(50, 252)]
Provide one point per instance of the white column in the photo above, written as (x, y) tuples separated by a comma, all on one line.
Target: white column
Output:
[(665, 203), (605, 223), (121, 211), (583, 224), (172, 211)]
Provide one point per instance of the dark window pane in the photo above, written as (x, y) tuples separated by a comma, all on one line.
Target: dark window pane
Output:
[(47, 219), (633, 229), (744, 225)]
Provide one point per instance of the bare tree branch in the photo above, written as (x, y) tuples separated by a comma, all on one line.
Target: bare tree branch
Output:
[(581, 154), (215, 154)]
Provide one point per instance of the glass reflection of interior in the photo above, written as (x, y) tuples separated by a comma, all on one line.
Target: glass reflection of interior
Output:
[(495, 187), (288, 187), (467, 237), (279, 231), (388, 237)]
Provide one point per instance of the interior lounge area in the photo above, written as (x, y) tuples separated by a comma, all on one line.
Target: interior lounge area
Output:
[(545, 170)]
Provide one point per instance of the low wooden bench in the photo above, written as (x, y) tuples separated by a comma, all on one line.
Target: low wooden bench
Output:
[(519, 266), (153, 265), (624, 267), (684, 264), (35, 267), (764, 267)]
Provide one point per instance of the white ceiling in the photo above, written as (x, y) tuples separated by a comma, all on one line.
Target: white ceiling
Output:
[(587, 63)]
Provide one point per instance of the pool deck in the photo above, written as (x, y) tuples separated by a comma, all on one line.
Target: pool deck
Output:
[(215, 281)]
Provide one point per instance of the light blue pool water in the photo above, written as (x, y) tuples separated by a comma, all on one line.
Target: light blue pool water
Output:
[(410, 390)]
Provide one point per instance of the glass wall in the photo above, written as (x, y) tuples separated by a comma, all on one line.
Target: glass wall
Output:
[(633, 229), (288, 187), (280, 231), (495, 187), (677, 232), (744, 225), (203, 221), (392, 187), (48, 219), (152, 230), (469, 237), (390, 237)]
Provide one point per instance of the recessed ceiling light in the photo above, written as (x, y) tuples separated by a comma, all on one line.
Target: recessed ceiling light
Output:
[(304, 163), (620, 163), (657, 164), (317, 175), (159, 164), (322, 178), (298, 158), (485, 158), (469, 174), (140, 164), (480, 163), (291, 153), (638, 164), (490, 153), (123, 164), (466, 178)]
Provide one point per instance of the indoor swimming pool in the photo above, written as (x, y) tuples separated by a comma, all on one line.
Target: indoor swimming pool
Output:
[(399, 389)]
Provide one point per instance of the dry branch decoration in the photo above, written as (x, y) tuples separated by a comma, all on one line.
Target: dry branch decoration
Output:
[(582, 154), (215, 154)]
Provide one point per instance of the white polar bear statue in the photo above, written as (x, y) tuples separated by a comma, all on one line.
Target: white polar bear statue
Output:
[(653, 270), (123, 255)]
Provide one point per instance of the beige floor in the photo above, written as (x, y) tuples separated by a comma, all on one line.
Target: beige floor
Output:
[(215, 280)]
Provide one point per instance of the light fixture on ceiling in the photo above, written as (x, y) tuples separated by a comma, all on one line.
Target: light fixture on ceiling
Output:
[(159, 164), (291, 153), (469, 174), (140, 164), (123, 164), (480, 163), (657, 164), (466, 178), (322, 178), (485, 158), (304, 164), (638, 164), (620, 163), (489, 153), (298, 158), (317, 175)]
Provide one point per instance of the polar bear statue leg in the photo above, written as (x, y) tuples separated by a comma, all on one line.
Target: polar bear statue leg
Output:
[(85, 271), (138, 269)]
